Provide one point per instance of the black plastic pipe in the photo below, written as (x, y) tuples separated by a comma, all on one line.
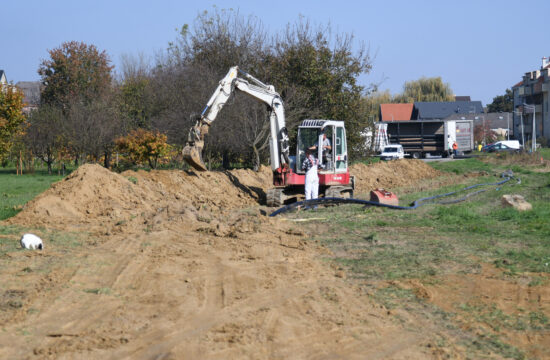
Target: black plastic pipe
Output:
[(507, 175)]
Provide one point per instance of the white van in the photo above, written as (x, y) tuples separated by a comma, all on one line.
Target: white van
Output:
[(505, 145), (513, 144), (392, 152)]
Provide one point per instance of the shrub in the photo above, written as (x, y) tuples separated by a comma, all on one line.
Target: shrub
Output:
[(142, 146)]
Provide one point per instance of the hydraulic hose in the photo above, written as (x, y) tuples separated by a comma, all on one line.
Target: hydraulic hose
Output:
[(507, 175)]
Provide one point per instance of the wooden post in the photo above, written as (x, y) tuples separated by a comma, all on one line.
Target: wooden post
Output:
[(20, 164)]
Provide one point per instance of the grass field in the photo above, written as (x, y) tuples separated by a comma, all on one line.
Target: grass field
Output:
[(386, 249), (17, 190)]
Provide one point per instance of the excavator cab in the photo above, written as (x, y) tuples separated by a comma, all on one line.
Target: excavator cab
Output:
[(334, 179), (332, 153)]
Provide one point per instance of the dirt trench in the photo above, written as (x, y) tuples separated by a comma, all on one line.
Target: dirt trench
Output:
[(174, 264)]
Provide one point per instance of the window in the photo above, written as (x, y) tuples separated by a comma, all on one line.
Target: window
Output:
[(307, 138), (341, 148)]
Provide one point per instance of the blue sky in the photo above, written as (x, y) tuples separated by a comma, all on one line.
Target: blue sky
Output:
[(479, 47)]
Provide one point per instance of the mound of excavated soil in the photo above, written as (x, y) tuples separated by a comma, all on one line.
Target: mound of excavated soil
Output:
[(89, 193), (94, 195), (389, 174)]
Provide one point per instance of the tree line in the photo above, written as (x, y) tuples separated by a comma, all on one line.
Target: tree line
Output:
[(141, 113), (145, 109)]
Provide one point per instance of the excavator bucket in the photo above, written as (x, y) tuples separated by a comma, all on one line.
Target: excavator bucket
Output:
[(193, 156)]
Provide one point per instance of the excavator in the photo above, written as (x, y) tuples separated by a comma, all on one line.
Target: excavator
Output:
[(288, 177)]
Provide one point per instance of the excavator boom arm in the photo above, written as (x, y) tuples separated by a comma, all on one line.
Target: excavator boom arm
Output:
[(278, 141)]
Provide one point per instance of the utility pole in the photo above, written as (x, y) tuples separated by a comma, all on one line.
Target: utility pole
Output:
[(534, 142), (508, 122), (484, 137), (520, 113), (534, 130)]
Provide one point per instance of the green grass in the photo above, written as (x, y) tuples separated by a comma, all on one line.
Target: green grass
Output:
[(461, 166), (390, 244), (17, 190), (382, 246), (367, 161)]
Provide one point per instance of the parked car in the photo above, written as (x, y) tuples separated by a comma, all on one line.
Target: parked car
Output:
[(392, 152), (506, 145)]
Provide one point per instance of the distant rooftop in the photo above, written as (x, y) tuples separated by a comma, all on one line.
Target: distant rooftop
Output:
[(396, 112), (441, 110)]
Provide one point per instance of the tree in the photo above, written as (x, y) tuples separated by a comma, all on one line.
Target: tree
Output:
[(323, 69), (136, 92), (314, 70), (45, 137), (92, 128), (201, 56), (502, 103), (74, 70), (484, 135), (425, 89), (11, 116)]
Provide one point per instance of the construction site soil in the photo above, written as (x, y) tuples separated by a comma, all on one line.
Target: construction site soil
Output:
[(185, 265)]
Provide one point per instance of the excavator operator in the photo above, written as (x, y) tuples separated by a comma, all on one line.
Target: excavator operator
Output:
[(327, 148)]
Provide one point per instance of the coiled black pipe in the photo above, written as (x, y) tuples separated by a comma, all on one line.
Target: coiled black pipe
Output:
[(507, 175)]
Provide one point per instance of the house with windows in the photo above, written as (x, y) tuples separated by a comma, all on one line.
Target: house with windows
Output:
[(531, 103)]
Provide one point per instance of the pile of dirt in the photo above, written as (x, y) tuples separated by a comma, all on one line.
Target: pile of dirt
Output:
[(89, 193), (175, 264), (93, 194), (390, 174)]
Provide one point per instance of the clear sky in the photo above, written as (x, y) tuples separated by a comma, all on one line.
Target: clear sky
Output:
[(479, 47)]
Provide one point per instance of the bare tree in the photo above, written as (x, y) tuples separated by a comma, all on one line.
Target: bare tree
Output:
[(45, 136), (191, 70), (314, 71), (135, 91), (91, 128)]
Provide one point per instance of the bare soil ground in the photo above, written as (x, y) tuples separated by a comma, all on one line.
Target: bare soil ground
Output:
[(178, 265)]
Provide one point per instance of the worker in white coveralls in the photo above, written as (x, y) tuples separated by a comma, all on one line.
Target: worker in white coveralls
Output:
[(310, 166)]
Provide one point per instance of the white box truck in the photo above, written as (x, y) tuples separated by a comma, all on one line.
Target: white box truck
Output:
[(434, 137)]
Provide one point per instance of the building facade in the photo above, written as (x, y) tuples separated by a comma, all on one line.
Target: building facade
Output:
[(531, 103)]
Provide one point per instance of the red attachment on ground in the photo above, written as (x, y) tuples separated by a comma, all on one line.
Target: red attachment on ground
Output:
[(383, 196)]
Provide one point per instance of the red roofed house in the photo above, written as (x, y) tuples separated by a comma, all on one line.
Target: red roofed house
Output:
[(396, 112)]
